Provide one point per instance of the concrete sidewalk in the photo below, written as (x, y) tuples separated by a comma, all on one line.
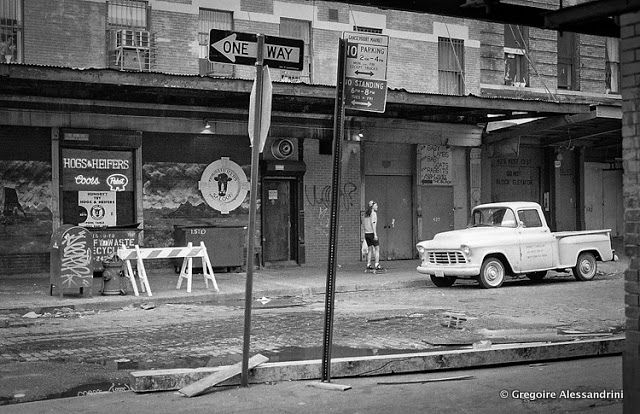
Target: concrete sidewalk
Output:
[(25, 293), (591, 385)]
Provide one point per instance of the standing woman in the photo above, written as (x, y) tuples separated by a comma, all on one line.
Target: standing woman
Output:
[(371, 235)]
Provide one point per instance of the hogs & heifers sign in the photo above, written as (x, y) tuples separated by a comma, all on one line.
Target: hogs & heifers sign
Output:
[(88, 170), (94, 178)]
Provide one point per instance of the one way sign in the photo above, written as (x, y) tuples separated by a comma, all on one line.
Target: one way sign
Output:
[(241, 48)]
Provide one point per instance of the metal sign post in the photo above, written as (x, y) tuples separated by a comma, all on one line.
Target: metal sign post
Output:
[(255, 154), (338, 134)]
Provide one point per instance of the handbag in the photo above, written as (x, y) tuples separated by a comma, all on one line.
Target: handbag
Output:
[(365, 248)]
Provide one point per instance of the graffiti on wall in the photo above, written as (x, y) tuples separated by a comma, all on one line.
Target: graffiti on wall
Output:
[(25, 206), (172, 198), (321, 196)]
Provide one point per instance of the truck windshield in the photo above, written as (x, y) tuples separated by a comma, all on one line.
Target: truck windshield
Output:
[(494, 217)]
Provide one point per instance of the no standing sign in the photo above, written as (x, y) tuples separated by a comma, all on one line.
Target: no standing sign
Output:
[(366, 71)]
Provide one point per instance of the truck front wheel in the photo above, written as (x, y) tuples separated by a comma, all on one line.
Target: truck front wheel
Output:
[(491, 273), (585, 267)]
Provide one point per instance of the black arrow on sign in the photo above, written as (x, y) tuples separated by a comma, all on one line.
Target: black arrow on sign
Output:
[(364, 73)]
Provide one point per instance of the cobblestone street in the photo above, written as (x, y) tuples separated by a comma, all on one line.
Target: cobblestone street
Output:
[(113, 342)]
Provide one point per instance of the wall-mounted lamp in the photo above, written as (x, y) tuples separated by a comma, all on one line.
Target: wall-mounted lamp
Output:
[(206, 127)]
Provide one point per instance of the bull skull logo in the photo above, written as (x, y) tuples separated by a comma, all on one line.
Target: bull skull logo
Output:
[(223, 182)]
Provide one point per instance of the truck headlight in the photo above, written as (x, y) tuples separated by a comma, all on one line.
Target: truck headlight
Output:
[(465, 249), (420, 250)]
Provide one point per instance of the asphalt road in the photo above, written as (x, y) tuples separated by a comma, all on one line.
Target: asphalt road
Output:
[(72, 353)]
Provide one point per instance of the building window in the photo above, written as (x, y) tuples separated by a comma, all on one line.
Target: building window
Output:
[(207, 20), (568, 61), (612, 66), (10, 31), (128, 38), (366, 29), (297, 29), (129, 14), (450, 66), (516, 45)]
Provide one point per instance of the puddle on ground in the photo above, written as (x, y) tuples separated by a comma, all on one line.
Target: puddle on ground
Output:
[(307, 353)]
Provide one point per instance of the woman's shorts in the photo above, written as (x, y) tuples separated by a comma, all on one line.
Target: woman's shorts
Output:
[(370, 240)]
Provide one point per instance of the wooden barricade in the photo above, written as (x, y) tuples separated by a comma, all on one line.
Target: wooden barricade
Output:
[(188, 253)]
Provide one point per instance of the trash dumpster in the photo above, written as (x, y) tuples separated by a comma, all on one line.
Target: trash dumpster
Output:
[(225, 245), (71, 265)]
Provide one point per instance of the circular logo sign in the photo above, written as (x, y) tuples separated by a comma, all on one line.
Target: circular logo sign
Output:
[(223, 185), (97, 212)]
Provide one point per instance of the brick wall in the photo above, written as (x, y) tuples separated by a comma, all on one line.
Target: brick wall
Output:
[(592, 61), (24, 263), (176, 42), (68, 33), (317, 203), (630, 70)]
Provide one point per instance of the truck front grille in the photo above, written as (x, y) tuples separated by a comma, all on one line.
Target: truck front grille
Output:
[(446, 257)]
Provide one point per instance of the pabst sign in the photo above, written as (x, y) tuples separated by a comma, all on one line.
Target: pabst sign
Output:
[(117, 182), (223, 185)]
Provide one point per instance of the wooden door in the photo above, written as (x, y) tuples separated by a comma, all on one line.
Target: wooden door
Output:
[(276, 210)]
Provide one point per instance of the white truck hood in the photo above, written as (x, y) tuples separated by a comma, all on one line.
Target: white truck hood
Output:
[(471, 236)]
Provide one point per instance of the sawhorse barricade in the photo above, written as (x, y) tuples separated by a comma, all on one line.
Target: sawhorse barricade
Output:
[(188, 253)]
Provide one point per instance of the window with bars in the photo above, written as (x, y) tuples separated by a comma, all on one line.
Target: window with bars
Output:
[(450, 66), (128, 39), (516, 44), (612, 65), (568, 61), (297, 29), (11, 31), (207, 20)]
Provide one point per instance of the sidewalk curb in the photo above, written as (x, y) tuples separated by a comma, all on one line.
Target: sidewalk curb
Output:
[(102, 303), (173, 379)]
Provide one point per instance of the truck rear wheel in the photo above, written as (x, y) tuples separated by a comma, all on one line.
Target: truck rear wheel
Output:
[(585, 267), (491, 273), (443, 281)]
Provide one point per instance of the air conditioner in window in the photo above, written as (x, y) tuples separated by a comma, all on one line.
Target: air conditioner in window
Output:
[(130, 38)]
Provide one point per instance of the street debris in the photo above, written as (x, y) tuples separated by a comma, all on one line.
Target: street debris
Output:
[(31, 315), (331, 386), (148, 305), (453, 320), (264, 300), (574, 332), (230, 371), (483, 344), (458, 378)]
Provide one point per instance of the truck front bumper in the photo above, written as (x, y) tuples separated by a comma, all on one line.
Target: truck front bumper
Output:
[(467, 270)]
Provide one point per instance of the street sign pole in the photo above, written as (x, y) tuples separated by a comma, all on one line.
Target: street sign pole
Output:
[(255, 153), (330, 291)]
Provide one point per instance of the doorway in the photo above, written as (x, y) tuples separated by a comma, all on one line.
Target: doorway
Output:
[(279, 220), (395, 224), (437, 210)]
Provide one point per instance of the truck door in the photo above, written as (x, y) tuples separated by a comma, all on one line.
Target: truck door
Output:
[(535, 240)]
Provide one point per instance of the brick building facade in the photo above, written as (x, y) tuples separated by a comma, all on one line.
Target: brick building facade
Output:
[(630, 51), (170, 151)]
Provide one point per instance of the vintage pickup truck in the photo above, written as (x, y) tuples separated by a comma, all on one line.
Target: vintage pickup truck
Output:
[(511, 238)]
